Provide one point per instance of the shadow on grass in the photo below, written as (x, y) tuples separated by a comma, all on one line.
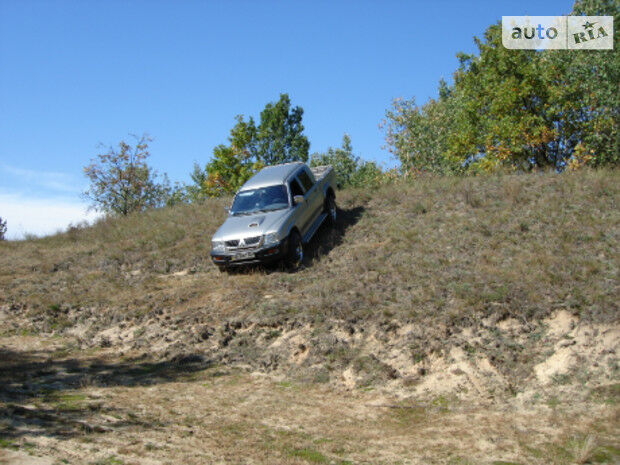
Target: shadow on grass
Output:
[(328, 237), (324, 240), (43, 396)]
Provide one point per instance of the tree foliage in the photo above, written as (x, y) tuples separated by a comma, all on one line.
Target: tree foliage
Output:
[(228, 170), (350, 170), (231, 165), (341, 159), (417, 135), (500, 111), (280, 137), (277, 139), (516, 109), (122, 182), (585, 102)]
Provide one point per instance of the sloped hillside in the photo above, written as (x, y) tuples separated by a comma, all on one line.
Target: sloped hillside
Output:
[(463, 286)]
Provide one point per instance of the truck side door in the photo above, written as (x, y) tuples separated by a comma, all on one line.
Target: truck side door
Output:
[(313, 196), (302, 211)]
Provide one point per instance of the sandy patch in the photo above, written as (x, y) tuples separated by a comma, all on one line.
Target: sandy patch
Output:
[(9, 457)]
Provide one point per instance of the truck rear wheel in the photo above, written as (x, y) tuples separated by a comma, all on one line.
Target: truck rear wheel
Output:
[(330, 209)]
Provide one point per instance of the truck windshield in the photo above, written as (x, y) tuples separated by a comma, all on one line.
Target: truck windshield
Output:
[(263, 199)]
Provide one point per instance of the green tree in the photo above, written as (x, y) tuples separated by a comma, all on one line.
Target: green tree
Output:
[(367, 174), (417, 136), (180, 193), (196, 191), (122, 182), (350, 170), (280, 137), (231, 165), (585, 102), (341, 159), (516, 109), (228, 170), (501, 97), (277, 139)]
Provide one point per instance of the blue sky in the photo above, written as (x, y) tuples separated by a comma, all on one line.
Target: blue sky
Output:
[(74, 74)]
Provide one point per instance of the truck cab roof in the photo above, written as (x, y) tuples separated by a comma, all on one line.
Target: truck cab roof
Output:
[(272, 175)]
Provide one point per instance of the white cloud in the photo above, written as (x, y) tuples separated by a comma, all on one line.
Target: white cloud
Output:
[(31, 215), (61, 182)]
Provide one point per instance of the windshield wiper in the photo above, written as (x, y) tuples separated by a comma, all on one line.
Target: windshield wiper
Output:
[(273, 209), (260, 210)]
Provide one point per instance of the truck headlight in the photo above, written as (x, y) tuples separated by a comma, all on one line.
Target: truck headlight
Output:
[(271, 239), (218, 246)]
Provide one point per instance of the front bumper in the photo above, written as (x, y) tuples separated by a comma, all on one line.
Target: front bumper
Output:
[(263, 255)]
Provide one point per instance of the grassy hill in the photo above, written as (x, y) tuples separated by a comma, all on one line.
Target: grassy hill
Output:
[(479, 289), (441, 254)]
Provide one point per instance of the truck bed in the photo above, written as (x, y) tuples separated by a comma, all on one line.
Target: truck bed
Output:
[(319, 172)]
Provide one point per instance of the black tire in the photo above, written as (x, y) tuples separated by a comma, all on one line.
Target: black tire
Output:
[(295, 256), (331, 209), (222, 269)]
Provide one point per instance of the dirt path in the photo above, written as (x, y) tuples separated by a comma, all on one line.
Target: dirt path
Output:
[(62, 406)]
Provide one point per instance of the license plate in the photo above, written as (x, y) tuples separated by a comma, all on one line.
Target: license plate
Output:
[(242, 256)]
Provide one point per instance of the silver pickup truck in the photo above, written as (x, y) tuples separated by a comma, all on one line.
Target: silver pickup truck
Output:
[(273, 214)]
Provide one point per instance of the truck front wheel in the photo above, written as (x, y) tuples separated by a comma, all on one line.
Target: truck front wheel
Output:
[(295, 256)]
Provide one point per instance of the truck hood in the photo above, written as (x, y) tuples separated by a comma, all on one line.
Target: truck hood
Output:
[(242, 226)]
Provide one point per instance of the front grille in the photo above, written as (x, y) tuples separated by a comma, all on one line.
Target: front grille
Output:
[(248, 242)]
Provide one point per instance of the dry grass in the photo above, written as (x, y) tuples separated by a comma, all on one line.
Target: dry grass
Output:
[(225, 416), (453, 249), (411, 336), (443, 254)]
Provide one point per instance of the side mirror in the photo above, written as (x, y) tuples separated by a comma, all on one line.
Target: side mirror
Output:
[(298, 199), (227, 208)]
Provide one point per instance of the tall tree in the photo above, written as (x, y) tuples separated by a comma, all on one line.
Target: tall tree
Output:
[(516, 109), (585, 102), (231, 165), (196, 191), (502, 96), (350, 170), (228, 170), (277, 139), (417, 136), (280, 137), (341, 159), (122, 182)]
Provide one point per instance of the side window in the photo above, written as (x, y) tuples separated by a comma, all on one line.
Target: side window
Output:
[(305, 180), (296, 188)]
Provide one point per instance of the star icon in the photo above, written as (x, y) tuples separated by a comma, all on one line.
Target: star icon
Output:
[(588, 25)]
